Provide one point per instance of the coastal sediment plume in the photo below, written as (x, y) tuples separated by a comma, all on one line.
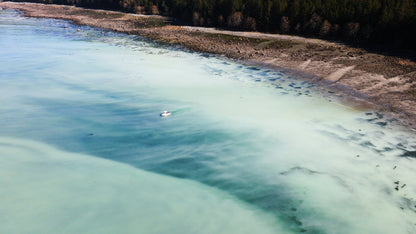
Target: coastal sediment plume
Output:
[(272, 148), (45, 190)]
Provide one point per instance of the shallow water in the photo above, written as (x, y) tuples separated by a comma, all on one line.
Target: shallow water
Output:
[(246, 150)]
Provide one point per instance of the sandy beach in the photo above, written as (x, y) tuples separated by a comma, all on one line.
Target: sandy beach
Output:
[(363, 79)]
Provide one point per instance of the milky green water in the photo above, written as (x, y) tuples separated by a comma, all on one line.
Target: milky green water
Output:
[(246, 150)]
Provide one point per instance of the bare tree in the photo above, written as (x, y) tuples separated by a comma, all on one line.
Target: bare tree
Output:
[(366, 32), (154, 10), (335, 29), (201, 21), (297, 28), (325, 28), (314, 24), (139, 9), (195, 18), (221, 20), (351, 30), (284, 24), (250, 24), (235, 20)]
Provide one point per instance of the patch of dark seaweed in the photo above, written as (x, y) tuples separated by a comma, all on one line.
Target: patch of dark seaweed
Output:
[(409, 154)]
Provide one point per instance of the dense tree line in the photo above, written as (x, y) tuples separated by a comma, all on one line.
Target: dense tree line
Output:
[(391, 22)]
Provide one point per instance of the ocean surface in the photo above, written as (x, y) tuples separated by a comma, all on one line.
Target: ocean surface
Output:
[(246, 150)]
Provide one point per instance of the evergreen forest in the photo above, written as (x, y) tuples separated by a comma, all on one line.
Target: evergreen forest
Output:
[(388, 22)]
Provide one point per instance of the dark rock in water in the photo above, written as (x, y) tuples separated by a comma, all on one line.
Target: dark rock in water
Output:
[(370, 120), (382, 123), (368, 113), (367, 144), (397, 182), (404, 185), (387, 149), (296, 220), (411, 154), (253, 68), (397, 188), (380, 116), (392, 120)]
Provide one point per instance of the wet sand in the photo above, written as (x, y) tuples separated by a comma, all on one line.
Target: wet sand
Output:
[(362, 79)]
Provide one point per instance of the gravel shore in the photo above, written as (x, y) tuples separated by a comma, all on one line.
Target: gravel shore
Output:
[(363, 79)]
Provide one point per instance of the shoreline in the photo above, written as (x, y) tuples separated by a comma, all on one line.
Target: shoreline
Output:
[(358, 78)]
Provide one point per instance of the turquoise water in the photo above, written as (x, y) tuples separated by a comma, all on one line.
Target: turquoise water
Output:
[(246, 149)]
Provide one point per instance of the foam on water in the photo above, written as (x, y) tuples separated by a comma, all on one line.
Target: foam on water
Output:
[(271, 141)]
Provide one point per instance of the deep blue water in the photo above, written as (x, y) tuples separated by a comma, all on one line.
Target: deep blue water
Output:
[(245, 150)]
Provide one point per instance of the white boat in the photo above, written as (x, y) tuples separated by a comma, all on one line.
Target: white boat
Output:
[(165, 113)]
